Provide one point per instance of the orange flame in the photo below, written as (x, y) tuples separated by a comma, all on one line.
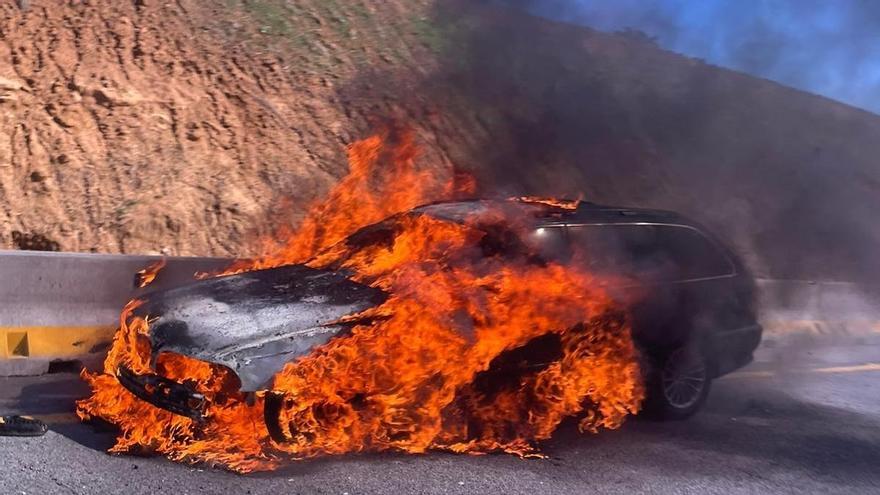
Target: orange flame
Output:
[(383, 179), (421, 374), (565, 204), (146, 276), (407, 382)]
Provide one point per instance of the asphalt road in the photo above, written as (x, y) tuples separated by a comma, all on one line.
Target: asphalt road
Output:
[(799, 419)]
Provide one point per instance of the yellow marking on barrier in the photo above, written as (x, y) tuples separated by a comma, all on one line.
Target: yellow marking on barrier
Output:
[(52, 342), (17, 344)]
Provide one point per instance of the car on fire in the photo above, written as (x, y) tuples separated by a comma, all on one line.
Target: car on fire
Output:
[(689, 299)]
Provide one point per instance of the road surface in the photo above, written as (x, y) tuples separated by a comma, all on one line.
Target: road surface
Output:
[(799, 419)]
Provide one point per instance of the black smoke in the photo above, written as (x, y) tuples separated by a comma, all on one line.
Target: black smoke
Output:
[(826, 47), (540, 107)]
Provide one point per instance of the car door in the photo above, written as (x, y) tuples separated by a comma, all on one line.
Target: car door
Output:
[(705, 275)]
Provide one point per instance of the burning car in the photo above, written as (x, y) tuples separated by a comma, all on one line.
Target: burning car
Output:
[(690, 301), (469, 326)]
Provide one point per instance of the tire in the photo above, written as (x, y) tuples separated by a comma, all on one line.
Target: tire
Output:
[(677, 384)]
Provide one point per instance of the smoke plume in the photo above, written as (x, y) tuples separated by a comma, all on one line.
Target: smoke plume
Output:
[(831, 48)]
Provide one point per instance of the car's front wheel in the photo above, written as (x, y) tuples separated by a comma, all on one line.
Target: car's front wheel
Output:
[(678, 384)]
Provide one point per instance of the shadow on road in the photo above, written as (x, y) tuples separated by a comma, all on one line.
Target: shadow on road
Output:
[(744, 421), (53, 399), (749, 427)]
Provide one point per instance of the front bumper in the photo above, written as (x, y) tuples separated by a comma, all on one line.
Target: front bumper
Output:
[(164, 393)]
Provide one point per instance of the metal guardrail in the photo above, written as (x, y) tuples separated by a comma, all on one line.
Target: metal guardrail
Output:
[(818, 310), (818, 299), (63, 306)]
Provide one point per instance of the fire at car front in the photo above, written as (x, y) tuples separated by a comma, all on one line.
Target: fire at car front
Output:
[(377, 344), (252, 323)]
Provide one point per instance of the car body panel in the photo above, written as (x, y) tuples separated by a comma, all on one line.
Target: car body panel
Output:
[(255, 322)]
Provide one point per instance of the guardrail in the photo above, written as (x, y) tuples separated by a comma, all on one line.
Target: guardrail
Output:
[(816, 298), (65, 306), (812, 310)]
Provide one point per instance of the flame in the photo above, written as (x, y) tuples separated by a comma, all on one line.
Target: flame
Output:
[(420, 371), (565, 204), (145, 276), (407, 381), (383, 179)]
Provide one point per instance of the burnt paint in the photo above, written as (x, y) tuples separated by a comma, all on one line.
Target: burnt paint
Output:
[(255, 322)]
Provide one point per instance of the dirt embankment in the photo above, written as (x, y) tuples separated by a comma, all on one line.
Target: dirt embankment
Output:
[(144, 126)]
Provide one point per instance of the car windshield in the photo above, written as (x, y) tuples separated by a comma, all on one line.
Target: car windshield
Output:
[(540, 244)]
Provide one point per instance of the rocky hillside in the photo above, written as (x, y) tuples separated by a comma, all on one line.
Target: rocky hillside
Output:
[(144, 126)]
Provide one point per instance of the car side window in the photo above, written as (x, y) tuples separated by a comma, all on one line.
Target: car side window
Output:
[(620, 250), (652, 253), (694, 254)]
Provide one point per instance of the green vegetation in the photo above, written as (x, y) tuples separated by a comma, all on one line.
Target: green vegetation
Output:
[(326, 35), (431, 34), (120, 213), (272, 16)]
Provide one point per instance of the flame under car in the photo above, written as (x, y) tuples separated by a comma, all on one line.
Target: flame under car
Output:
[(688, 298)]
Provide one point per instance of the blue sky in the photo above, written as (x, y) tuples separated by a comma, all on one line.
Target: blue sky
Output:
[(827, 47)]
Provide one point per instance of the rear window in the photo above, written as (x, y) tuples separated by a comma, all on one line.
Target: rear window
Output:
[(652, 252)]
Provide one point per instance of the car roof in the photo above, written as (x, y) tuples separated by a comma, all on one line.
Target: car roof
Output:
[(554, 211), (550, 212)]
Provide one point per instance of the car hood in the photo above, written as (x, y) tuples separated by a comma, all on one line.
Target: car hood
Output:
[(255, 322)]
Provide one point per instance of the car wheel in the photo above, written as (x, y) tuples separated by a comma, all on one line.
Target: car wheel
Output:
[(678, 384)]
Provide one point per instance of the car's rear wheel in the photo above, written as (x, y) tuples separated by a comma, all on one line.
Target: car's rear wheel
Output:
[(678, 384)]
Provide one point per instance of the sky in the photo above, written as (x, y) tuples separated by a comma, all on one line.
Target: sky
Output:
[(826, 47)]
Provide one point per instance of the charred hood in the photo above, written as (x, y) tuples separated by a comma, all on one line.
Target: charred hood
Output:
[(255, 322)]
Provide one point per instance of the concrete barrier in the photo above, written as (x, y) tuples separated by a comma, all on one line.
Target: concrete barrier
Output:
[(65, 306), (816, 310)]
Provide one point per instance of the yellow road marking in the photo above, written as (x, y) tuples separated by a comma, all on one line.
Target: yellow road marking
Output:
[(850, 369), (859, 368)]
